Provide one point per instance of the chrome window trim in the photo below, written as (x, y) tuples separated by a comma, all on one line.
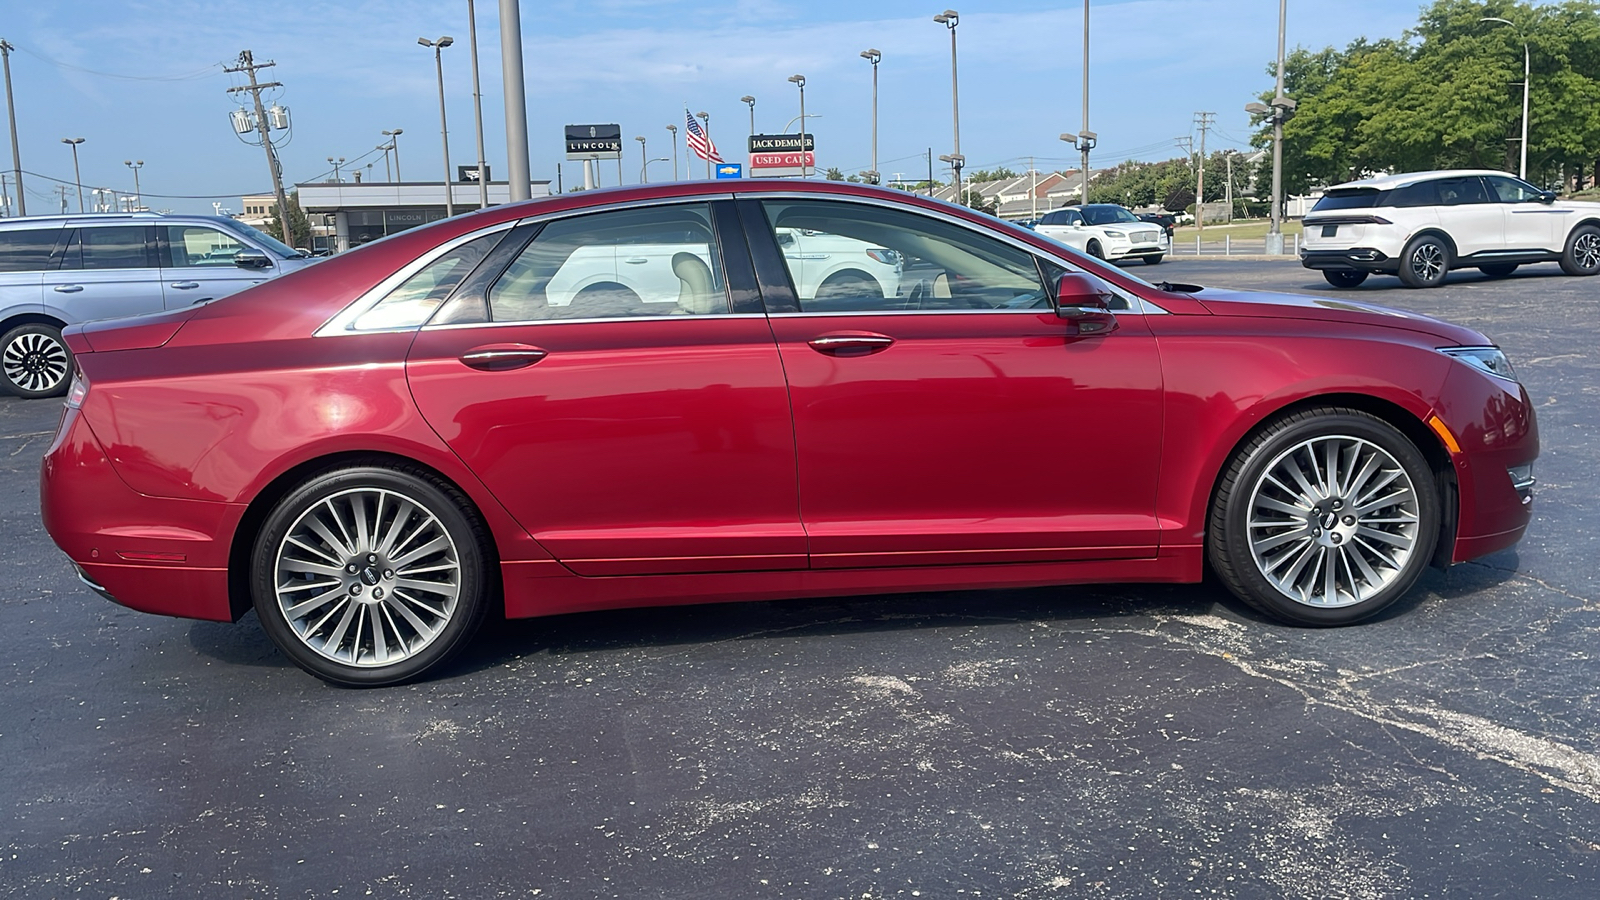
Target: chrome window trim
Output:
[(1136, 305), (344, 321), (919, 312), (679, 317)]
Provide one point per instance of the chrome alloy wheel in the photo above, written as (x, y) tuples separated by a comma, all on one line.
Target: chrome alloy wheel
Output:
[(1586, 250), (1333, 521), (367, 577), (1427, 261), (35, 362)]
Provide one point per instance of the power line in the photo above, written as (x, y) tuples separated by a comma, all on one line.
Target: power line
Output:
[(63, 181), (208, 70)]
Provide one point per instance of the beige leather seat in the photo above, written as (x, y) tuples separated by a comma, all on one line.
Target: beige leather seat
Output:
[(697, 294)]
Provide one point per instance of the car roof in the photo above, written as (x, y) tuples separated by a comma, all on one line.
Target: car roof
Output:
[(1389, 182), (19, 222)]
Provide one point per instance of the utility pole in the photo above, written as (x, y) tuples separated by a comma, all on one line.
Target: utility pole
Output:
[(62, 190), (477, 106), (1227, 188), (249, 66), (1033, 190), (1204, 121), (11, 110)]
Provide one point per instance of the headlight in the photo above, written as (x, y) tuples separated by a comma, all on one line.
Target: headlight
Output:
[(1119, 235), (1487, 359)]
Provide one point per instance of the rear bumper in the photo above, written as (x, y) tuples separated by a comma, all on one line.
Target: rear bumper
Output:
[(151, 554), (1365, 259)]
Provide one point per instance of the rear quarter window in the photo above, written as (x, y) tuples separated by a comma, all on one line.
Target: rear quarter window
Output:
[(1422, 194), (26, 249)]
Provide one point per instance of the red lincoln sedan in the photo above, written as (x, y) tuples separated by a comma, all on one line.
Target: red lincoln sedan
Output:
[(746, 390)]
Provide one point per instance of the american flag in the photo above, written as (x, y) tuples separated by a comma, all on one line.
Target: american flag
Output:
[(698, 141)]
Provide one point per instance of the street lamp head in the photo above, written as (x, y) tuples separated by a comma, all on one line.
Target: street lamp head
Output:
[(871, 56), (799, 80), (639, 138), (748, 99), (703, 114), (1258, 109), (948, 18), (72, 140), (445, 41), (673, 129), (425, 42)]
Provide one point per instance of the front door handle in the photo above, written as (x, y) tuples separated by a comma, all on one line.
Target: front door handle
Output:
[(637, 260), (185, 285), (69, 288), (851, 343), (502, 357)]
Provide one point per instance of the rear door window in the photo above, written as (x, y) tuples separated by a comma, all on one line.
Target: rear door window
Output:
[(1463, 191), (27, 250), (110, 247), (1423, 193)]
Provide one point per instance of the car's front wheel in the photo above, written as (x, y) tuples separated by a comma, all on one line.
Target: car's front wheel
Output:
[(34, 361), (1153, 260), (1582, 256), (1344, 278), (1425, 262), (371, 575), (1094, 250), (1325, 517)]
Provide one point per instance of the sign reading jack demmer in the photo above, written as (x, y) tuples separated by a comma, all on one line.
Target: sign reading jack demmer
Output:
[(781, 155), (594, 142)]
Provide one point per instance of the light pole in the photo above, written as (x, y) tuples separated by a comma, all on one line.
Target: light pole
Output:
[(644, 177), (706, 118), (800, 82), (138, 195), (1280, 110), (674, 130), (388, 170), (949, 18), (644, 160), (394, 144), (11, 110), (336, 163), (874, 57), (76, 176), (444, 130), (1086, 138), (477, 105), (750, 102), (1522, 172)]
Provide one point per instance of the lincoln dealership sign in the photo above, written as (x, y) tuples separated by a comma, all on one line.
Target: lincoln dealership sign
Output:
[(594, 142)]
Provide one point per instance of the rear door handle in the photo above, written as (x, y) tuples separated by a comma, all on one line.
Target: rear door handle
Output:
[(69, 288), (185, 285), (637, 260), (502, 357), (851, 343)]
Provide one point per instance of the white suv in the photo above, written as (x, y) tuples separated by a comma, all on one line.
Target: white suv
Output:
[(1105, 231), (1422, 225)]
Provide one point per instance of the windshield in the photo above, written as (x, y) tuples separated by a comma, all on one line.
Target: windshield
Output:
[(1107, 215), (1350, 198), (264, 239)]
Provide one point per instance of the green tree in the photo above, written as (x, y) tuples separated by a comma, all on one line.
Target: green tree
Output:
[(834, 174), (999, 173), (299, 224)]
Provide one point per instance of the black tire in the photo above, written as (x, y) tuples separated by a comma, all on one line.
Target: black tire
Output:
[(1499, 270), (1344, 278), (396, 616), (1425, 262), (1094, 250), (34, 362), (1153, 260), (1290, 441), (1582, 255)]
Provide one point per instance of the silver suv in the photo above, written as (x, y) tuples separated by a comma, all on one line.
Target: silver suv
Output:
[(59, 270)]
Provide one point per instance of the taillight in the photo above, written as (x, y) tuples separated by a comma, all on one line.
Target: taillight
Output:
[(78, 391)]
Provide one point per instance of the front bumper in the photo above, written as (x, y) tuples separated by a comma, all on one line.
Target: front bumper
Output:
[(1135, 251), (1365, 259), (151, 554), (1494, 423)]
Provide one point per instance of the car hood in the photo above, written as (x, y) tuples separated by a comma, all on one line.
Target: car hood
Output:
[(1268, 305)]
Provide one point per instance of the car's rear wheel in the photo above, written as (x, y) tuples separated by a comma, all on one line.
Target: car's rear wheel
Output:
[(34, 361), (1425, 262), (841, 285), (1325, 517), (1499, 270), (1344, 278), (1582, 256), (1153, 260), (371, 575)]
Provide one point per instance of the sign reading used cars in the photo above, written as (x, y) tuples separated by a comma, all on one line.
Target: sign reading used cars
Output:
[(594, 141)]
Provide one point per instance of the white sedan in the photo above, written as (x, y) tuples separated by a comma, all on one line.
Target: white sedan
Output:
[(1105, 231)]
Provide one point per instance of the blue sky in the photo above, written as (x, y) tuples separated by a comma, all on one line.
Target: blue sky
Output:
[(353, 69)]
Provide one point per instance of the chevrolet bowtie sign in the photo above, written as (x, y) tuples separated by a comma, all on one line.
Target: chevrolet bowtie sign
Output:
[(781, 143), (594, 142)]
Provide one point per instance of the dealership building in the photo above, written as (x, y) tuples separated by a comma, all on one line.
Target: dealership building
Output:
[(355, 213)]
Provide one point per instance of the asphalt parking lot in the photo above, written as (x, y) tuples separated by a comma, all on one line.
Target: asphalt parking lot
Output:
[(1122, 741)]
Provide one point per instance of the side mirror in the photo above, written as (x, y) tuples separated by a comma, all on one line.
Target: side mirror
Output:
[(1547, 197), (249, 259), (1085, 302)]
